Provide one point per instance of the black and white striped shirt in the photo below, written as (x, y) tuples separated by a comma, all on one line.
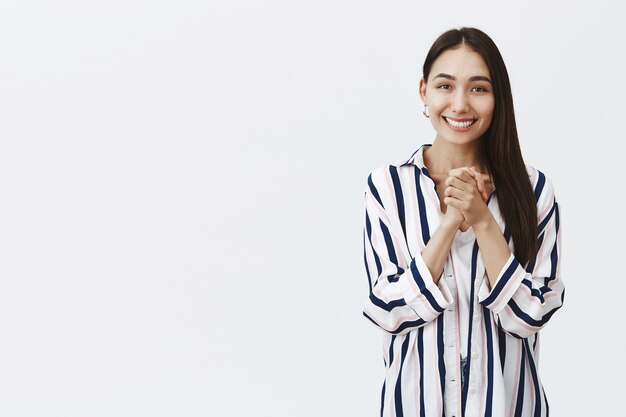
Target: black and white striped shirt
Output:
[(420, 320)]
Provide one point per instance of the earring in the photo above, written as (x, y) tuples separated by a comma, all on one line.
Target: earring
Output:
[(425, 111)]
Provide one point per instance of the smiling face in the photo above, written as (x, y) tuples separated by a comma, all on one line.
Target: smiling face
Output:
[(459, 96)]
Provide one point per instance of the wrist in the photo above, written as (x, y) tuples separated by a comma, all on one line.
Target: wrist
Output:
[(484, 224), (450, 224)]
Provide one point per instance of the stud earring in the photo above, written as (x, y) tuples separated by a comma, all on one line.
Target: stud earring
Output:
[(425, 111)]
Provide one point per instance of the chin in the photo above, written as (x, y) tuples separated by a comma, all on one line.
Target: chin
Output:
[(461, 140)]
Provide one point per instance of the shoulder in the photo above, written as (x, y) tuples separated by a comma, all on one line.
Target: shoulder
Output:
[(542, 183), (543, 188), (377, 179), (386, 175), (383, 174), (384, 182)]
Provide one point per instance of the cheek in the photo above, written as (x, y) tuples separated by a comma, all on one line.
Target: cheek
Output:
[(436, 107), (487, 109), (435, 101)]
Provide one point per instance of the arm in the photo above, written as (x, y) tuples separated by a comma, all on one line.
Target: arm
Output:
[(438, 247), (403, 295), (523, 300), (494, 249)]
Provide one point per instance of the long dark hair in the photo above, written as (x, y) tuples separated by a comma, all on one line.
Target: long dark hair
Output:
[(501, 149)]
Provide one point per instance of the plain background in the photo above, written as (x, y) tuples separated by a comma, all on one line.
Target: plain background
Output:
[(181, 188)]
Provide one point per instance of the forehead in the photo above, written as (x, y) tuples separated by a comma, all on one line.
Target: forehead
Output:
[(461, 63)]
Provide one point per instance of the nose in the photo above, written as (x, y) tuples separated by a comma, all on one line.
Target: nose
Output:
[(460, 101)]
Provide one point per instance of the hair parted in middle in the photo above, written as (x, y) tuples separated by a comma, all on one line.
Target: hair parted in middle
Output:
[(500, 143)]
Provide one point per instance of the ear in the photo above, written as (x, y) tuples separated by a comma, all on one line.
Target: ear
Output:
[(423, 89)]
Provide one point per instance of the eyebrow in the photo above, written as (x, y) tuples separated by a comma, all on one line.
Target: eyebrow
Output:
[(472, 78)]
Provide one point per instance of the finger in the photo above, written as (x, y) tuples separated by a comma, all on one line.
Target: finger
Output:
[(481, 183), (459, 184), (472, 180), (461, 174), (476, 178), (452, 202), (475, 175), (454, 192), (456, 203), (486, 180), (485, 177)]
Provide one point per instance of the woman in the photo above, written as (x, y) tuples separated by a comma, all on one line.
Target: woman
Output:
[(462, 277)]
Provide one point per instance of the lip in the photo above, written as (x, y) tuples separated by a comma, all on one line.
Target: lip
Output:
[(459, 120), (458, 129)]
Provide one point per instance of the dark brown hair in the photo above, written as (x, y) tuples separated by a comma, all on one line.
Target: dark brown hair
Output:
[(501, 148)]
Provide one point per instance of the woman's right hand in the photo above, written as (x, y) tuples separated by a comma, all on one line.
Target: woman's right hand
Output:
[(453, 215)]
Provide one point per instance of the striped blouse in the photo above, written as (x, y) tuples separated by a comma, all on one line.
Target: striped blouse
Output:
[(420, 319)]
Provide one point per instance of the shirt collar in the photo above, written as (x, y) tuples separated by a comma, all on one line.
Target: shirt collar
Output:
[(416, 158)]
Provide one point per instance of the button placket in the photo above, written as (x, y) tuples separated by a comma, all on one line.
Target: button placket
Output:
[(453, 380), (476, 317)]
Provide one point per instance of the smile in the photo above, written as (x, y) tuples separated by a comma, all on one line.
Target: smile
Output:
[(460, 125)]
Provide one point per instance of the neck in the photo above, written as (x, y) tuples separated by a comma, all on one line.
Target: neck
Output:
[(443, 156)]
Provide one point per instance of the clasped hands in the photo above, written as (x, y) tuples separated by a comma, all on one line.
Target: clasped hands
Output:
[(465, 197)]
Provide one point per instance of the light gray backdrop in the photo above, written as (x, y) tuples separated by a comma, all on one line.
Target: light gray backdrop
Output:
[(181, 189)]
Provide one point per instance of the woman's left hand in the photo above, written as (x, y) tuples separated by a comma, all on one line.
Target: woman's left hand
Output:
[(463, 191)]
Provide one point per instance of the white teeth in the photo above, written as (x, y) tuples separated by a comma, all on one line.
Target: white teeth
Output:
[(461, 125)]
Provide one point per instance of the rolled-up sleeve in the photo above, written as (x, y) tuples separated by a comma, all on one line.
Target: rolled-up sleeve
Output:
[(402, 295), (524, 299)]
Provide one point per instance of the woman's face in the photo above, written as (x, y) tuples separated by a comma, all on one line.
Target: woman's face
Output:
[(459, 96)]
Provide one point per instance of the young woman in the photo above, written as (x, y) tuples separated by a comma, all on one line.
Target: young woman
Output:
[(462, 249)]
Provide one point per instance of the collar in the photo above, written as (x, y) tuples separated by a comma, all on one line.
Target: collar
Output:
[(416, 158)]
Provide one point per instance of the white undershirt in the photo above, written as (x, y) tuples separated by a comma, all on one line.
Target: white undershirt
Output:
[(460, 277)]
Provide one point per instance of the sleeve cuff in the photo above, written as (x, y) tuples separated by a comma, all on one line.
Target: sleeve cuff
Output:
[(509, 280), (429, 300)]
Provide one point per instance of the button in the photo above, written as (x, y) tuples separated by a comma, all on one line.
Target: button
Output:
[(472, 391), (474, 355), (476, 317)]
